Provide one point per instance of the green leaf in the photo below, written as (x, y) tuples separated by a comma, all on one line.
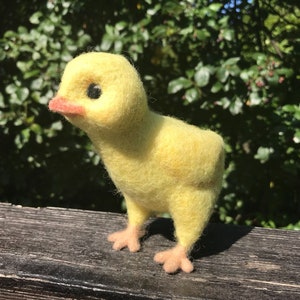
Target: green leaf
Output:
[(285, 71), (22, 93), (224, 21), (36, 128), (236, 106), (25, 48), (83, 39), (36, 84), (57, 126), (121, 25), (222, 74), (22, 138), (187, 30), (190, 73), (2, 54), (202, 34), (260, 58), (66, 29), (22, 29), (10, 34), (245, 76), (32, 73), (44, 99), (273, 80), (49, 27), (216, 87), (192, 95), (178, 84), (289, 108), (212, 23), (118, 46), (202, 76), (215, 6), (2, 104), (24, 66), (106, 43), (263, 154), (294, 109), (228, 34), (255, 99), (224, 102), (11, 89), (35, 18), (296, 137), (232, 61), (109, 30), (154, 10)]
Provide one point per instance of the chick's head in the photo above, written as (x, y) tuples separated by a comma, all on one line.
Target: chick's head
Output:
[(101, 90)]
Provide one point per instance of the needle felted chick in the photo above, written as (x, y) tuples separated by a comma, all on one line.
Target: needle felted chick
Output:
[(158, 163)]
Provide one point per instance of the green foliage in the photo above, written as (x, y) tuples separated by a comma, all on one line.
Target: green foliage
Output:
[(45, 158), (232, 66)]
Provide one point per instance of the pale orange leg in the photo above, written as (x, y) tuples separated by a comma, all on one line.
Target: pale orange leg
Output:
[(190, 216), (174, 259), (128, 237)]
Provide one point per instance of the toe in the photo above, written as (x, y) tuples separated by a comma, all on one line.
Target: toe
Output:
[(171, 266), (112, 237), (160, 257), (187, 266), (118, 245), (134, 245)]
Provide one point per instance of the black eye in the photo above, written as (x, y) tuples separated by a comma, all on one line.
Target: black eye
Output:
[(93, 91)]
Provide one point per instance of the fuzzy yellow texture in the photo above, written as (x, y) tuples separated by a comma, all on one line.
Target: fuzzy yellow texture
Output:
[(158, 163)]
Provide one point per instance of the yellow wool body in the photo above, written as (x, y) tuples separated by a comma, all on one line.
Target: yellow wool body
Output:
[(177, 170), (158, 163)]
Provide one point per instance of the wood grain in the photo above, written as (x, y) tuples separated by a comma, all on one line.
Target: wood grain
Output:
[(54, 253)]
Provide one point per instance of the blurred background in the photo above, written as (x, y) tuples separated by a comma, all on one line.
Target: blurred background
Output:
[(232, 66)]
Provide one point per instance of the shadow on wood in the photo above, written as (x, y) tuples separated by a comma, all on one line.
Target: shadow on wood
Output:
[(215, 239)]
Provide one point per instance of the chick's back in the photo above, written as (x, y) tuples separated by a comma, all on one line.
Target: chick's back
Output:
[(190, 155)]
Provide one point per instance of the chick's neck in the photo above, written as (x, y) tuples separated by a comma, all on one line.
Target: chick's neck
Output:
[(135, 141)]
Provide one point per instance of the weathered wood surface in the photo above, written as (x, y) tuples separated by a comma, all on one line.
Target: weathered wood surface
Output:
[(53, 253)]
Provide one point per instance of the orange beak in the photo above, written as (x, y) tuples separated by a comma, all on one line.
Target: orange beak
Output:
[(63, 106)]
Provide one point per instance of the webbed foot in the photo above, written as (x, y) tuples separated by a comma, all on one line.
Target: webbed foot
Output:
[(174, 260)]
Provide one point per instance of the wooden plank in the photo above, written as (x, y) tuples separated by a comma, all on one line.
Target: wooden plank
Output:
[(53, 253)]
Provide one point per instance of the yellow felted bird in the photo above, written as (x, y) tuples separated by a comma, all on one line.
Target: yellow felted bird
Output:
[(158, 163)]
